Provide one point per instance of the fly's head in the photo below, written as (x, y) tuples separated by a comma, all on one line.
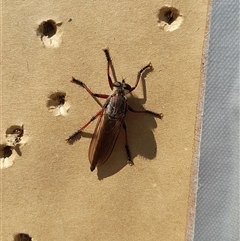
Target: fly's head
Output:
[(122, 87)]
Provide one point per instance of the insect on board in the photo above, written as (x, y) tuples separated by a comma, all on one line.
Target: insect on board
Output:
[(110, 118)]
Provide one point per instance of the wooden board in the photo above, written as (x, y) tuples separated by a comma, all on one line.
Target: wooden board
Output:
[(49, 192)]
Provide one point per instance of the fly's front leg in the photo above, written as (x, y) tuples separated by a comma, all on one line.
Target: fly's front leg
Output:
[(130, 162), (80, 83), (158, 115), (109, 63), (94, 95), (72, 138)]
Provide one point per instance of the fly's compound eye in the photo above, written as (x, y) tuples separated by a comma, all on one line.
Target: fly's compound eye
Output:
[(126, 87), (117, 84)]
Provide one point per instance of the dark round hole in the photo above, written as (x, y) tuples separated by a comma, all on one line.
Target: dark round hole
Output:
[(22, 237), (15, 130), (47, 28), (168, 14), (7, 151), (56, 99)]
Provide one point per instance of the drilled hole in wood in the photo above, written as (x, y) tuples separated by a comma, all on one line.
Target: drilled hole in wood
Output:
[(6, 151), (57, 104), (47, 28), (169, 18), (50, 33), (22, 237), (14, 135), (15, 139)]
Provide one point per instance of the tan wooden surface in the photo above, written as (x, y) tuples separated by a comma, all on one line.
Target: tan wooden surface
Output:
[(49, 191)]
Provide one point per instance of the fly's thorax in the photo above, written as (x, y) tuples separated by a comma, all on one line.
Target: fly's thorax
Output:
[(117, 105)]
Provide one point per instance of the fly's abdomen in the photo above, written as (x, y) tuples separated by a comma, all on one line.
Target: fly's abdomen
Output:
[(104, 139)]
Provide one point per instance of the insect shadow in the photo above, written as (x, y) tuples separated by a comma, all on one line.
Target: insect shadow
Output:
[(83, 134), (111, 121)]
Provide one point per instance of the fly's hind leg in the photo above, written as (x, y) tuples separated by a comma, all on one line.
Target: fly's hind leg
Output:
[(130, 162)]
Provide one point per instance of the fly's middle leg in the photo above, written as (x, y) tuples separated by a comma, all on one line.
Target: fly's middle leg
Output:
[(72, 138), (140, 74), (130, 162)]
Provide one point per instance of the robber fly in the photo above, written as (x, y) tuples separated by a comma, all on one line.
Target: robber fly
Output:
[(110, 118)]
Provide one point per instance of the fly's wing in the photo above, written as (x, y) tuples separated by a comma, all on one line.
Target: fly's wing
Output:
[(104, 139)]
